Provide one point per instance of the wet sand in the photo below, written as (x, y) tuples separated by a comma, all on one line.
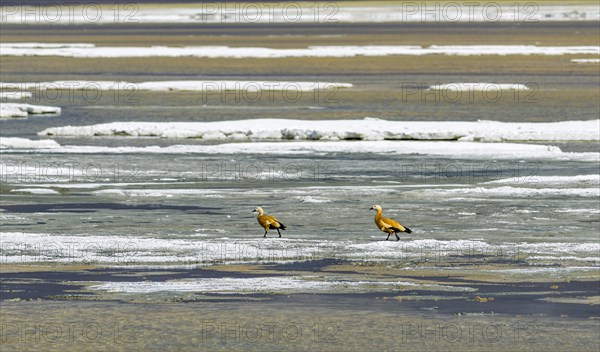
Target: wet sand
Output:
[(307, 325), (297, 35), (520, 297), (57, 306)]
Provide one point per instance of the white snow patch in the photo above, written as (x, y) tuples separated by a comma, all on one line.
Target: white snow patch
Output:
[(465, 150), (508, 191), (24, 110), (300, 13), (586, 61), (426, 248), (579, 211), (537, 270), (313, 199), (320, 193), (593, 179), (365, 129), (21, 247), (24, 143), (242, 285), (166, 193), (564, 258), (54, 174), (65, 50), (35, 190)]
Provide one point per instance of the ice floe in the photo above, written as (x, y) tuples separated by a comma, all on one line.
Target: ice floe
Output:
[(455, 150), (437, 249), (65, 50), (24, 143), (273, 284), (585, 61), (24, 110), (365, 129), (541, 269), (24, 247), (507, 191), (579, 211), (35, 190), (242, 12), (593, 179), (313, 199)]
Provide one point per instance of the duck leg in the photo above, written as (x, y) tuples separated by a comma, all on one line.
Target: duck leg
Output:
[(397, 238), (279, 232), (265, 235), (388, 236)]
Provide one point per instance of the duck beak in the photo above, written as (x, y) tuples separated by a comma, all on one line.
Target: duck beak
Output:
[(254, 211), (371, 208)]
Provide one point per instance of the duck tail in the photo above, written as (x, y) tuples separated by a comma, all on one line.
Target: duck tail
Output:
[(407, 230)]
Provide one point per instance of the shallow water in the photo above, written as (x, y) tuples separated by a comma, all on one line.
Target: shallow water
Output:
[(322, 199)]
